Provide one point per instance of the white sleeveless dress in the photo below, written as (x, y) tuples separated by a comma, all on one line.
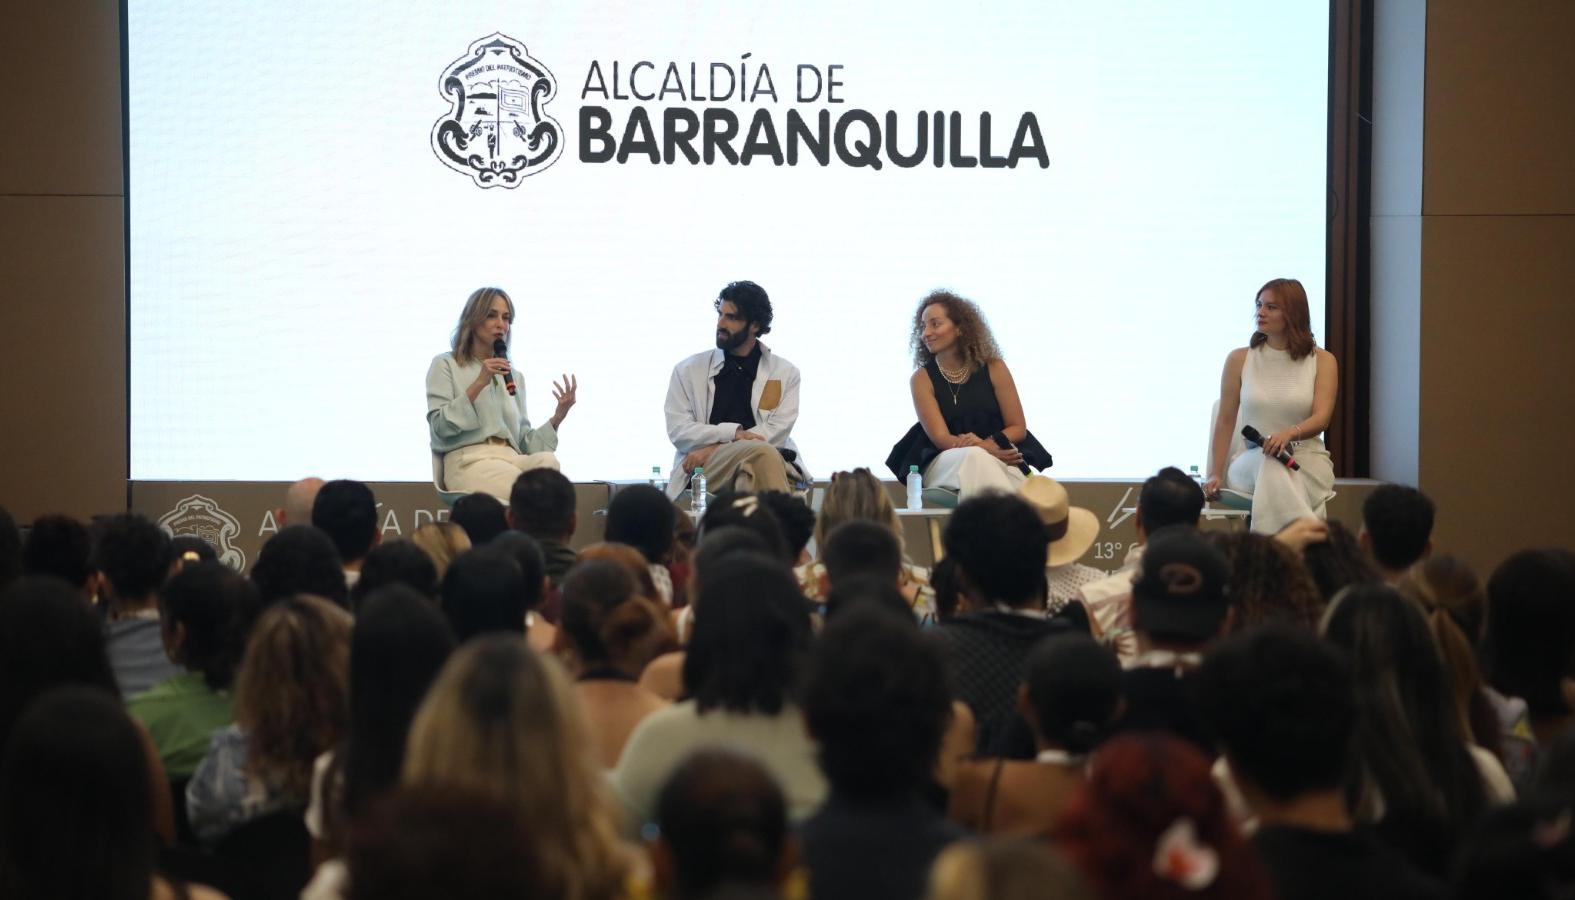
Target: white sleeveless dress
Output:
[(1276, 394)]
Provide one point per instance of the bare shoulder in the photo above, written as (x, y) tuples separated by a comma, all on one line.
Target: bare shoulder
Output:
[(919, 378), (998, 368), (1324, 357)]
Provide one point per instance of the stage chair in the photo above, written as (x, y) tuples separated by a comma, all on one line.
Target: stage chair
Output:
[(448, 497)]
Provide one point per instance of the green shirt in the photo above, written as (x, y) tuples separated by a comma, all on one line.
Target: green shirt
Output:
[(182, 713)]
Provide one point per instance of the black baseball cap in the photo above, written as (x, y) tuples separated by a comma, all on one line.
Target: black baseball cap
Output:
[(1182, 592)]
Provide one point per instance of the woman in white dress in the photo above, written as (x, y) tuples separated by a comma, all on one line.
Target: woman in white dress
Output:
[(1283, 384)]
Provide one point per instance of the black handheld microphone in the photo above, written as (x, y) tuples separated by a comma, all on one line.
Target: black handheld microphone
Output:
[(501, 349), (1284, 456)]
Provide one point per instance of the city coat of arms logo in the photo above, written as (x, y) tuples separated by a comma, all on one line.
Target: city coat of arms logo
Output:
[(202, 517), (496, 130)]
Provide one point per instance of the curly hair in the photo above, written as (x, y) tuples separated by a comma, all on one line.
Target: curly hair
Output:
[(1268, 583), (292, 694), (973, 332)]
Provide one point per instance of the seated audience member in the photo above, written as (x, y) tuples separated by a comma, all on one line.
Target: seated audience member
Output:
[(1529, 641), (484, 592), (664, 676), (299, 498), (131, 553), (49, 636), (1526, 851), (797, 521), (300, 559), (76, 797), (542, 504), (1268, 583), (1070, 696), (1072, 531), (523, 549), (1338, 561), (948, 601), (10, 550), (1149, 823), (1415, 777), (1004, 869), (482, 516), (1179, 606), (1397, 528), (723, 823), (1167, 499), (632, 560), (198, 609), (426, 842), (399, 643), (998, 543), (877, 702), (751, 632), (443, 542), (501, 720), (346, 511), (188, 550), (290, 706), (860, 549), (60, 546), (1283, 707), (858, 496), (397, 562), (610, 632), (685, 536), (642, 517), (1456, 608), (730, 510)]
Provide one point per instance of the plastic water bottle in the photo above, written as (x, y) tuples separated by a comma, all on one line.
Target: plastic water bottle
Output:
[(656, 478), (915, 488), (697, 492)]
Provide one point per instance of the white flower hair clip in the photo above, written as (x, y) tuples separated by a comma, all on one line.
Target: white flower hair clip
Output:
[(1181, 858), (747, 505)]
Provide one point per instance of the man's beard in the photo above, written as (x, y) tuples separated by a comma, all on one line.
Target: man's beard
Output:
[(731, 340)]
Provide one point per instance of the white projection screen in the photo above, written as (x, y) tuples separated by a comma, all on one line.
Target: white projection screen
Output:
[(300, 246)]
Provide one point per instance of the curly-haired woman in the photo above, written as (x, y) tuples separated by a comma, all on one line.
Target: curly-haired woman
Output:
[(971, 435)]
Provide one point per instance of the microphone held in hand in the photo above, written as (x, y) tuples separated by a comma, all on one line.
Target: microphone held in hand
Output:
[(501, 349), (1284, 456)]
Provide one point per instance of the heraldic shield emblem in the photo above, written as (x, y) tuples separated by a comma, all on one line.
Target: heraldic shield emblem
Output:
[(202, 517), (496, 130)]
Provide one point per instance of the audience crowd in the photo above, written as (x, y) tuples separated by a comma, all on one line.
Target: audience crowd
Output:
[(775, 703)]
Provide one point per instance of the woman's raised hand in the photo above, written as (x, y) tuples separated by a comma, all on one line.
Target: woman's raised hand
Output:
[(564, 393)]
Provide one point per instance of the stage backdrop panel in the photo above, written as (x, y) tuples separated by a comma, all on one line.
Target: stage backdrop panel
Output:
[(315, 189)]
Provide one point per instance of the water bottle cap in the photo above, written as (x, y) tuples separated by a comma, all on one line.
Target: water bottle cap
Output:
[(699, 469), (913, 468)]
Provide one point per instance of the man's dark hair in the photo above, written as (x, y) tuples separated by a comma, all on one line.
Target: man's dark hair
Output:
[(1074, 685), (724, 819), (876, 700), (481, 515), (753, 304), (642, 517), (943, 580), (182, 547), (721, 544), (523, 549), (748, 644), (999, 543), (1528, 648), (1338, 562), (1399, 522), (58, 546), (207, 599), (395, 562), (132, 552), (10, 549), (542, 504), (347, 512), (861, 547), (794, 516), (857, 591), (1169, 497), (484, 592), (1282, 705), (49, 635), (300, 559)]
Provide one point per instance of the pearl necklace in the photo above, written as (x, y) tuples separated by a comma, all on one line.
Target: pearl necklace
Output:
[(955, 379)]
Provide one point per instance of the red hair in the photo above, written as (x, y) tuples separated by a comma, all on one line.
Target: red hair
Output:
[(1298, 321), (1138, 787)]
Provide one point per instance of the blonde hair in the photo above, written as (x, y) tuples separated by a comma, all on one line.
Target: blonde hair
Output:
[(442, 541), (855, 495), (501, 718), (292, 694), (472, 317), (1004, 869)]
